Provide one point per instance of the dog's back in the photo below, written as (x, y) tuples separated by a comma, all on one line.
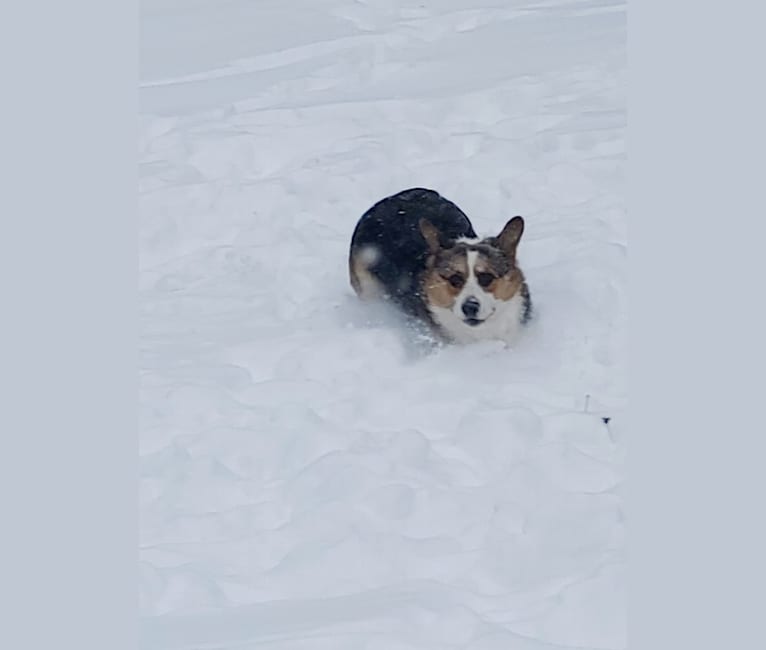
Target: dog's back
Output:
[(389, 253)]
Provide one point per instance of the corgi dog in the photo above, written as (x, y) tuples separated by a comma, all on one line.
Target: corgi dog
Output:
[(419, 251)]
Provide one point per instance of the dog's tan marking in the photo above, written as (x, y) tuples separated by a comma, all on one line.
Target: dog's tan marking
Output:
[(439, 291), (507, 286), (506, 283), (364, 283)]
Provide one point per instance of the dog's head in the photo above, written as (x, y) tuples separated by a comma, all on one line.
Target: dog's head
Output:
[(472, 284)]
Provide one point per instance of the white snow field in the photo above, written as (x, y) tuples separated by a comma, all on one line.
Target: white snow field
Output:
[(311, 477)]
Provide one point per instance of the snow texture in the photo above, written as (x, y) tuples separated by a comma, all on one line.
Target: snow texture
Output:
[(311, 476)]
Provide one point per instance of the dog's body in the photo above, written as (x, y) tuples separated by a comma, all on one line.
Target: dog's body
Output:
[(420, 251)]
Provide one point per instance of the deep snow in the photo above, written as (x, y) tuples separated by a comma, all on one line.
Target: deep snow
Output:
[(310, 477)]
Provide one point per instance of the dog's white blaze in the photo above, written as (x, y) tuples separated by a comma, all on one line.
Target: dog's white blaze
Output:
[(502, 317), (472, 289), (468, 240)]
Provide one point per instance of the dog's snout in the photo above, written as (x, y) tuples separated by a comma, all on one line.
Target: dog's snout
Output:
[(471, 307)]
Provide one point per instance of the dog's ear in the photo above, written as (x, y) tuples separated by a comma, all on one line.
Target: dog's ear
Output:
[(430, 234), (509, 237)]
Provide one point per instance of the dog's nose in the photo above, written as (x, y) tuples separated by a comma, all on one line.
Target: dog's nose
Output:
[(471, 307)]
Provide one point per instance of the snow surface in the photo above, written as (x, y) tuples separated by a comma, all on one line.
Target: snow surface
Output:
[(312, 478)]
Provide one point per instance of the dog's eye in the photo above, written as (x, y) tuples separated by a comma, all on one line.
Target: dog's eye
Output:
[(456, 280), (485, 279)]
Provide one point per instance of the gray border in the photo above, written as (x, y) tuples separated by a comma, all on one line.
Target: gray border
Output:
[(695, 107), (69, 262)]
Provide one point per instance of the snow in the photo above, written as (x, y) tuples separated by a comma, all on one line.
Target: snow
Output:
[(312, 476)]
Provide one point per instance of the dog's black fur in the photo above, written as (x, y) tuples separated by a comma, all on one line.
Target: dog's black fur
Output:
[(392, 227)]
